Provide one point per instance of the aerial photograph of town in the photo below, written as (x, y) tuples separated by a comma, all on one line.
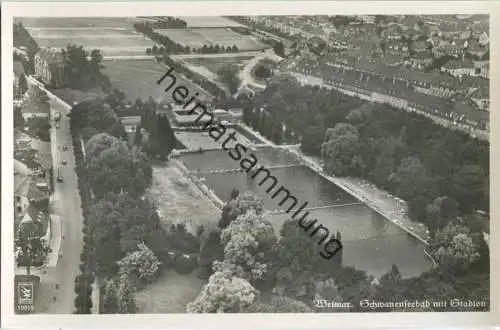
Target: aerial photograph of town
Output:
[(251, 164)]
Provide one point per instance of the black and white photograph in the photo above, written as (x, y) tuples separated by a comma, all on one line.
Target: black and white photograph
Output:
[(170, 164)]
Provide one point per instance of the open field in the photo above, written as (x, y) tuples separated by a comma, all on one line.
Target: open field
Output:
[(78, 22), (213, 64), (179, 200), (209, 21), (198, 37), (137, 79)]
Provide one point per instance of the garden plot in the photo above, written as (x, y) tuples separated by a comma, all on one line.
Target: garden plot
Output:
[(197, 37)]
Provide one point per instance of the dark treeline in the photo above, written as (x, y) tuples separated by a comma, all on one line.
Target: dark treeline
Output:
[(211, 49), (169, 46), (170, 23)]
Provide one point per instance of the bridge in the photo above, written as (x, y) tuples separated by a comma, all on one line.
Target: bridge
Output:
[(318, 207), (253, 171)]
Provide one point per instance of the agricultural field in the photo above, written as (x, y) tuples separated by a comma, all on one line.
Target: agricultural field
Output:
[(196, 38), (137, 79), (78, 22), (113, 36)]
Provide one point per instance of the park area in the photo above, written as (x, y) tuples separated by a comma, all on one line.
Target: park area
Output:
[(137, 79), (197, 37), (113, 36)]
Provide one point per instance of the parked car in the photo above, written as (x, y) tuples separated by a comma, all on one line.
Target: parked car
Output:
[(65, 148), (64, 162), (59, 179)]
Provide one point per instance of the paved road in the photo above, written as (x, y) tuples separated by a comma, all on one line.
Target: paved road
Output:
[(68, 206)]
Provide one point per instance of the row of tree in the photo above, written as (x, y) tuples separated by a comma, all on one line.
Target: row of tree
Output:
[(169, 23), (170, 46), (216, 91)]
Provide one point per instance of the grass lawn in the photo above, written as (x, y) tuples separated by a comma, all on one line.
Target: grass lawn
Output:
[(179, 200), (213, 64), (137, 79), (76, 22), (170, 293)]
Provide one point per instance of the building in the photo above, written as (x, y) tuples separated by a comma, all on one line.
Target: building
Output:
[(130, 123), (460, 68), (50, 67), (21, 189)]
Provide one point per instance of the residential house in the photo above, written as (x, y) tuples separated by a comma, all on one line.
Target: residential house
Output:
[(475, 49), (459, 68), (419, 61), (130, 123), (35, 110), (392, 32), (448, 49), (482, 68), (420, 47), (21, 189), (50, 67)]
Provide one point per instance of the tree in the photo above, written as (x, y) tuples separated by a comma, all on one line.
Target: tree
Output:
[(223, 293), (211, 250), (110, 297), (279, 49), (228, 74), (247, 246), (409, 178), (238, 206), (441, 212), (468, 186), (125, 292), (141, 264), (112, 166), (22, 85), (18, 118), (340, 150), (453, 248)]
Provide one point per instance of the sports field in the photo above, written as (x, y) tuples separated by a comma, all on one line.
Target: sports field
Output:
[(137, 79), (213, 64), (197, 37), (113, 36)]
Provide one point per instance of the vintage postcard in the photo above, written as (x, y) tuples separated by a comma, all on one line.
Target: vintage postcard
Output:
[(213, 164)]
